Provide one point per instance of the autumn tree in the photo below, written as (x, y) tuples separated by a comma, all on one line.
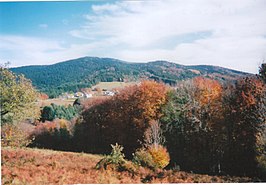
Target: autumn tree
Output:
[(121, 119), (206, 94), (245, 116), (17, 97), (189, 118)]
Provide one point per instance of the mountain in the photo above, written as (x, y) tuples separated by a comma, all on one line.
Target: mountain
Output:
[(87, 71)]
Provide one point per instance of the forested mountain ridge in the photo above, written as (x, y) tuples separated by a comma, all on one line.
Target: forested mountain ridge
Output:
[(74, 74)]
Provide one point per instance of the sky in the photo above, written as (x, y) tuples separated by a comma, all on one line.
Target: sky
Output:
[(227, 33)]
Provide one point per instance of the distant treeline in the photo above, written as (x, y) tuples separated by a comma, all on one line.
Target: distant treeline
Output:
[(85, 72)]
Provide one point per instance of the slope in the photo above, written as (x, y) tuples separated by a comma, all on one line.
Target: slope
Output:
[(38, 166), (87, 71)]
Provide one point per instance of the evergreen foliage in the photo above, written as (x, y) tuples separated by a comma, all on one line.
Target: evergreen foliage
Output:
[(49, 113), (116, 159), (72, 75)]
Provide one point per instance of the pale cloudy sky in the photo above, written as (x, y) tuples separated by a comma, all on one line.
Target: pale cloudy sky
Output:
[(227, 33)]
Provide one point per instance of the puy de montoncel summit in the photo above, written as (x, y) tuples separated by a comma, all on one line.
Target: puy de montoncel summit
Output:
[(87, 71)]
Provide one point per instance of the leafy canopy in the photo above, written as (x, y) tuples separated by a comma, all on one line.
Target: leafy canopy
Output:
[(17, 96)]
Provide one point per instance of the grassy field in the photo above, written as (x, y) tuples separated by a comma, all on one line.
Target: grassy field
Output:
[(101, 85), (112, 85), (57, 101), (39, 166)]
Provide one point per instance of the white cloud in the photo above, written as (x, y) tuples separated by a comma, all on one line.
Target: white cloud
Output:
[(153, 30), (227, 52), (20, 50), (106, 8), (237, 38)]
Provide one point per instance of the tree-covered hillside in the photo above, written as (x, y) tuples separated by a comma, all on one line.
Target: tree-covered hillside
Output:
[(87, 71)]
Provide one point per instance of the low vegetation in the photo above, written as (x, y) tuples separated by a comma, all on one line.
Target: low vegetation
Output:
[(57, 101), (153, 157), (13, 136), (35, 166)]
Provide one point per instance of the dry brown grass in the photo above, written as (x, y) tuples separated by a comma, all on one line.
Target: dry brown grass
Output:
[(37, 166)]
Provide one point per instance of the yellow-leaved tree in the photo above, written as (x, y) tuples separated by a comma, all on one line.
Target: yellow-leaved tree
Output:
[(17, 98)]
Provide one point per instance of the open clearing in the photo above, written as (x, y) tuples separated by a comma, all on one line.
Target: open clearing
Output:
[(39, 166), (57, 101), (111, 85), (102, 85)]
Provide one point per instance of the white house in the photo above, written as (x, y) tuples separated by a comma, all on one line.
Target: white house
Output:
[(87, 95), (109, 93), (79, 94)]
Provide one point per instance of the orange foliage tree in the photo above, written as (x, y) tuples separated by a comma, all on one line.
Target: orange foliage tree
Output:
[(245, 118), (206, 97), (206, 90), (121, 119), (212, 128), (190, 118), (203, 114)]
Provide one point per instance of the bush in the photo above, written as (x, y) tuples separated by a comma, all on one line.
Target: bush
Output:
[(159, 155), (12, 136), (52, 135), (47, 114), (143, 158), (154, 157), (115, 160)]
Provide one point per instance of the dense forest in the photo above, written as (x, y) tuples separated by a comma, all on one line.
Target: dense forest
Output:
[(84, 72), (201, 125), (205, 125)]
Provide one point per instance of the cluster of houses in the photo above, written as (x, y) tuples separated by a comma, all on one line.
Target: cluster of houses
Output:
[(85, 94)]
